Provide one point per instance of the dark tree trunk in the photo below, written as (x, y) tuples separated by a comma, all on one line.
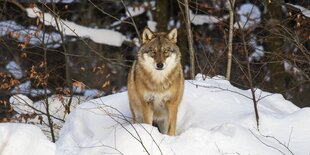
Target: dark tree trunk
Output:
[(161, 15), (274, 44)]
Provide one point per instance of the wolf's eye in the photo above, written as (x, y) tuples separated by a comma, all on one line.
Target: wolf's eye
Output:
[(167, 52), (152, 53)]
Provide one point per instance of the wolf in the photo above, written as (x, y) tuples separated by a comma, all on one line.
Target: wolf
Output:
[(156, 81)]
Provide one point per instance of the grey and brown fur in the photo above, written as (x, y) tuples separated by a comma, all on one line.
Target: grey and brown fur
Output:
[(156, 82)]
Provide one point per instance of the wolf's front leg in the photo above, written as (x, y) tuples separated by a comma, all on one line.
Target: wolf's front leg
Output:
[(172, 112), (147, 111), (133, 113)]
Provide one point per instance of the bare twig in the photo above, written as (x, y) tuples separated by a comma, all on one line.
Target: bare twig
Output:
[(67, 59), (270, 146), (121, 116), (37, 110), (274, 138), (133, 21), (222, 89), (219, 150), (102, 145), (50, 121), (17, 4), (67, 63), (104, 12), (249, 75)]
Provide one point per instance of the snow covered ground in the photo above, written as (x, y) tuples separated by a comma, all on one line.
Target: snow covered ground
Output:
[(24, 139), (214, 118)]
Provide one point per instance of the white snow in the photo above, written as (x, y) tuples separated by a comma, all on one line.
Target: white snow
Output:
[(214, 118), (249, 16), (25, 88), (23, 105), (198, 19), (92, 93), (24, 139), (134, 11), (292, 69), (174, 24), (87, 93), (152, 25), (258, 50), (304, 11), (138, 10), (14, 69), (68, 28), (39, 92)]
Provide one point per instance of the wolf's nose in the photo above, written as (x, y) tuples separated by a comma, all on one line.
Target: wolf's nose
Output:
[(160, 65)]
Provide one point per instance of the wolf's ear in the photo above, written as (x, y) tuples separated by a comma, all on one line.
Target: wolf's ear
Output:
[(172, 35), (147, 35)]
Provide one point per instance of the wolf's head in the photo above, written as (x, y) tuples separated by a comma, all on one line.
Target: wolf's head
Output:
[(159, 50)]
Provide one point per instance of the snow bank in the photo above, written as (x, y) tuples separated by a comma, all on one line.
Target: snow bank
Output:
[(24, 139), (214, 118)]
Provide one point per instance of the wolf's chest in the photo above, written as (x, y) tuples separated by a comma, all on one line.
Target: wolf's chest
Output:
[(157, 99)]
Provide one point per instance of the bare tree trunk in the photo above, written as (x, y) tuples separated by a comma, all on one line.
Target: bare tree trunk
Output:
[(230, 37), (190, 40)]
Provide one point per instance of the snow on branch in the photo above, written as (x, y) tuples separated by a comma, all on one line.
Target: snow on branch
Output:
[(198, 19), (68, 28), (249, 16), (304, 11), (33, 33)]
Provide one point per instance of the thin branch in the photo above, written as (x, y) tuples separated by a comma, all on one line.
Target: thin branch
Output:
[(47, 106), (249, 75), (222, 89), (17, 4), (102, 11), (133, 21), (282, 144), (270, 146), (102, 145), (121, 116)]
